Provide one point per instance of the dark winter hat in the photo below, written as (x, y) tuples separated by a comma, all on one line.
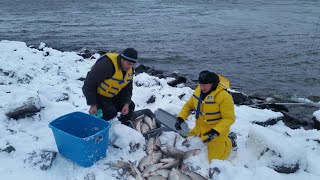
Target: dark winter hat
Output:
[(130, 54), (207, 77)]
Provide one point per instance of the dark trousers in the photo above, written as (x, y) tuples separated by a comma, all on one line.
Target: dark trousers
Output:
[(111, 106)]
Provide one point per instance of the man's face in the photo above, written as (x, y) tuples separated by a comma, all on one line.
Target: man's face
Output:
[(205, 88), (126, 65)]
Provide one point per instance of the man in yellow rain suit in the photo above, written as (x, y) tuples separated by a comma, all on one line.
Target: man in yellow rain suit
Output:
[(214, 112)]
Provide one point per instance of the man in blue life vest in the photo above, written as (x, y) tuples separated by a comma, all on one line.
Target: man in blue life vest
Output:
[(108, 86), (214, 112)]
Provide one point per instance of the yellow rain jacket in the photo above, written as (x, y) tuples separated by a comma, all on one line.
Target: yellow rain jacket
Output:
[(224, 81), (111, 87), (216, 112)]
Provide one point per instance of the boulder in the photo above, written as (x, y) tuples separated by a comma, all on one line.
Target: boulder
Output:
[(141, 68), (240, 98), (283, 155), (27, 109), (175, 82), (286, 168), (294, 121)]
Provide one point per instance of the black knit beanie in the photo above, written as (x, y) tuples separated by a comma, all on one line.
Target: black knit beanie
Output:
[(206, 77), (130, 54)]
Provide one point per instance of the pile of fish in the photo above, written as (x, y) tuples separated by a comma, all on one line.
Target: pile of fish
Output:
[(144, 123), (161, 162)]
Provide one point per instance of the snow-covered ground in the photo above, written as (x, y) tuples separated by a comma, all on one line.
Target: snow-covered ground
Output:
[(51, 77), (317, 115)]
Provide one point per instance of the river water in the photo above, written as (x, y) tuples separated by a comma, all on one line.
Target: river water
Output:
[(264, 47)]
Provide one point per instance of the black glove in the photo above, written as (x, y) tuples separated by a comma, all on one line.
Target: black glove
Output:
[(212, 134), (178, 123)]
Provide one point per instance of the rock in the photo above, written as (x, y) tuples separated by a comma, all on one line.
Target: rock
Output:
[(316, 123), (134, 147), (213, 172), (42, 159), (90, 176), (64, 97), (7, 72), (28, 109), (294, 121), (314, 98), (8, 149), (286, 168), (269, 122), (282, 155), (154, 81), (102, 52), (141, 68), (25, 80), (152, 99), (181, 95), (274, 107), (12, 131), (85, 54), (157, 73), (81, 79), (153, 72), (240, 98), (178, 80), (233, 137)]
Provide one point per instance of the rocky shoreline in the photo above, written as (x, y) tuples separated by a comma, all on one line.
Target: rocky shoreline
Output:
[(295, 115)]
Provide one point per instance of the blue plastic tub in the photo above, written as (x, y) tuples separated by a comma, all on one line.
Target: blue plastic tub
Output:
[(81, 138)]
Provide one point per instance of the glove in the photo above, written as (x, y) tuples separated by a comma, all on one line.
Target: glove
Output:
[(99, 114), (212, 134), (178, 123)]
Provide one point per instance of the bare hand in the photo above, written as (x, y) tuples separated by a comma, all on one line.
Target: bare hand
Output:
[(93, 109), (125, 109)]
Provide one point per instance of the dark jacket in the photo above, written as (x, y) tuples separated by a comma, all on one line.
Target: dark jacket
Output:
[(101, 70)]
